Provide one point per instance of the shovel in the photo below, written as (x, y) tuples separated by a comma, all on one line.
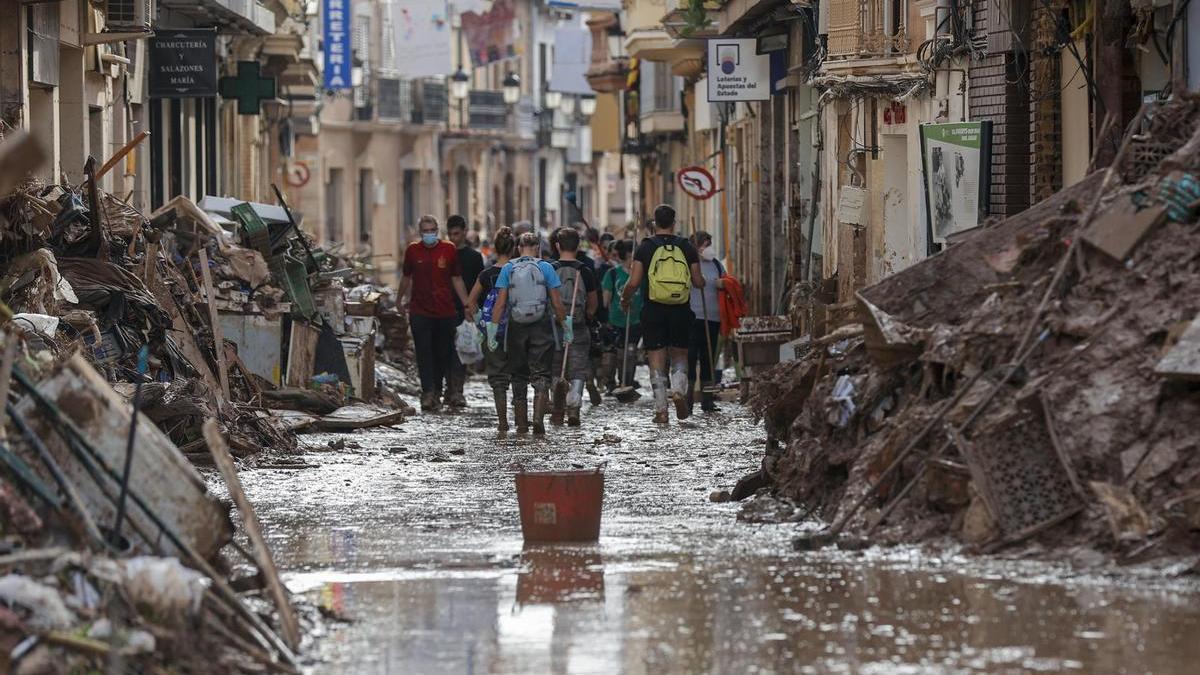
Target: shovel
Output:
[(561, 386), (626, 393)]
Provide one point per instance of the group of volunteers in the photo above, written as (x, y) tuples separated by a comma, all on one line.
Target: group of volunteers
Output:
[(557, 320)]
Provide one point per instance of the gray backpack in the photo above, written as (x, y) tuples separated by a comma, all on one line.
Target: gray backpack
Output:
[(527, 294), (570, 278)]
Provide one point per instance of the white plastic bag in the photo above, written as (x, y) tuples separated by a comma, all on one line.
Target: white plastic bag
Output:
[(469, 343)]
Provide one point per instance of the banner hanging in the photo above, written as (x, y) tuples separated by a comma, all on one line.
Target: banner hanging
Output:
[(956, 159)]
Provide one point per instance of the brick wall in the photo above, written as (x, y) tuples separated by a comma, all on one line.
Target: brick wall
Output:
[(999, 92)]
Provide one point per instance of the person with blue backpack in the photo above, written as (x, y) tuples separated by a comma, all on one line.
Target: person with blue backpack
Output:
[(495, 360), (527, 292)]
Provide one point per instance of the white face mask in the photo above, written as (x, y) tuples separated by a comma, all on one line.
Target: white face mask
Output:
[(708, 254)]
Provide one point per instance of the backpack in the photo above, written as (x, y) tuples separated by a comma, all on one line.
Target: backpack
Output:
[(527, 294), (488, 308), (670, 275), (571, 277)]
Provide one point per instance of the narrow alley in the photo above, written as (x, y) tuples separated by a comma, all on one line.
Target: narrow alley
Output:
[(412, 535)]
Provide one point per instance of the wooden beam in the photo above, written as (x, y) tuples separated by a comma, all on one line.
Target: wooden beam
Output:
[(214, 317), (262, 554)]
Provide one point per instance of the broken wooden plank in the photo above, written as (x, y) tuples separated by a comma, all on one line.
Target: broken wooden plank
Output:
[(302, 353), (215, 323), (1182, 361), (160, 474), (351, 417), (262, 554), (1122, 227)]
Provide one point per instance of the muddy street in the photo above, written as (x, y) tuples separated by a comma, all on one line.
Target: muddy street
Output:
[(413, 535)]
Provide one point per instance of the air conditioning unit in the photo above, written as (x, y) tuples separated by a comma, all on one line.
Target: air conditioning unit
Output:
[(128, 15)]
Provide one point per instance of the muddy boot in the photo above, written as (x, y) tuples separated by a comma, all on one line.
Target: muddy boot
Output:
[(708, 402), (501, 397), (429, 402), (572, 417), (541, 401), (691, 398), (594, 392), (605, 374), (558, 403), (455, 382), (679, 392), (658, 386), (521, 414)]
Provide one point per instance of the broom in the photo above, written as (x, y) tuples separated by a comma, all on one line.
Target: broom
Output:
[(561, 386), (712, 387)]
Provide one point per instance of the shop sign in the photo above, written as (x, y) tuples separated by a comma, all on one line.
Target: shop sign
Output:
[(335, 45), (183, 64)]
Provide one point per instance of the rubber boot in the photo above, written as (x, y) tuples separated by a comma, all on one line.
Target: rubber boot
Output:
[(658, 385), (679, 391), (691, 397), (573, 419), (708, 402), (594, 392), (429, 402), (521, 414), (455, 383), (541, 401), (501, 397), (607, 371), (558, 404)]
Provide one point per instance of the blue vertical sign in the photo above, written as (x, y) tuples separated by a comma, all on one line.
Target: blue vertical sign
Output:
[(336, 44)]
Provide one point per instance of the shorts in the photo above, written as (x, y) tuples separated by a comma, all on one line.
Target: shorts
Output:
[(666, 326)]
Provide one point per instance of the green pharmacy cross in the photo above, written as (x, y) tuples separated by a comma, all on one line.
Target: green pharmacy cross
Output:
[(249, 87)]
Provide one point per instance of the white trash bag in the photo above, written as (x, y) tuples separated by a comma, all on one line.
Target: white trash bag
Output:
[(469, 343)]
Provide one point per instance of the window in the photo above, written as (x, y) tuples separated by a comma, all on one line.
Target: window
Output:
[(664, 86), (366, 203), (333, 206), (463, 181), (390, 101), (410, 199)]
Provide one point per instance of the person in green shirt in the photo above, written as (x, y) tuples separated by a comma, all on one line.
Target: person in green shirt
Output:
[(612, 284)]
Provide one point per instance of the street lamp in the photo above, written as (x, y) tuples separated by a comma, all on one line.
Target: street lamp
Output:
[(460, 84), (568, 106), (587, 105), (512, 88), (553, 99)]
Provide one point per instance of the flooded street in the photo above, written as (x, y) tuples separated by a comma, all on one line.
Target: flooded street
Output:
[(413, 534)]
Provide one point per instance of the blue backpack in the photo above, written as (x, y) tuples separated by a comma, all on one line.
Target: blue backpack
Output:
[(485, 312)]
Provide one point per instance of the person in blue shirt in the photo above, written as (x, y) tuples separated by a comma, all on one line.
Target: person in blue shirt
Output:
[(528, 291)]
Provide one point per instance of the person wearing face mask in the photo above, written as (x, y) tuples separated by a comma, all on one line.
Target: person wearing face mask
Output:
[(432, 272), (708, 319)]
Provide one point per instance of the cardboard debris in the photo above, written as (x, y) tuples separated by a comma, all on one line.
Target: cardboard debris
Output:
[(1182, 361), (1122, 226)]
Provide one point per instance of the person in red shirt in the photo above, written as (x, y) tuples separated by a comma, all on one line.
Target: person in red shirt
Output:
[(432, 272)]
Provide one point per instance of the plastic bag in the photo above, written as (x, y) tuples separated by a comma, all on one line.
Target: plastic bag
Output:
[(469, 343)]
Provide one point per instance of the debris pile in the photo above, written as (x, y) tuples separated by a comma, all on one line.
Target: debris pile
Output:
[(1036, 382), (133, 347)]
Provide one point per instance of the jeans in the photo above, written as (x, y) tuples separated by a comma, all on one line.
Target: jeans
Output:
[(698, 352), (433, 343)]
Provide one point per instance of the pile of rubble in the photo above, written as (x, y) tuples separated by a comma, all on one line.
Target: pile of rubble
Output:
[(1035, 383), (228, 332)]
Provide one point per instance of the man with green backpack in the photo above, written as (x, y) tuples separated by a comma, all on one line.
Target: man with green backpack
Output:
[(666, 267)]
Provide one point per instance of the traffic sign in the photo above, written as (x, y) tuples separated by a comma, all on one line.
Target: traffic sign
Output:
[(697, 182)]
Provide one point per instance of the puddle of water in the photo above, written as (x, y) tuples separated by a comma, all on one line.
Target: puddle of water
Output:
[(426, 557)]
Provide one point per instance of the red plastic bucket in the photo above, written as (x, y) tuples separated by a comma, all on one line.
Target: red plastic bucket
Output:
[(560, 505)]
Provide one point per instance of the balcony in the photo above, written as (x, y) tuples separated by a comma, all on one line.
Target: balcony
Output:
[(244, 16), (487, 110), (867, 29), (410, 101)]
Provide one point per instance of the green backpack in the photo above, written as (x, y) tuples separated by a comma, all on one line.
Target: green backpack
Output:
[(670, 276)]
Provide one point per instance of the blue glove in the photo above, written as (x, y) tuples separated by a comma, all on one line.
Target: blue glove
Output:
[(492, 329), (568, 330)]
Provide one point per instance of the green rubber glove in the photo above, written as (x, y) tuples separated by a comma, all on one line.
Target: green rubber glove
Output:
[(568, 330), (492, 329)]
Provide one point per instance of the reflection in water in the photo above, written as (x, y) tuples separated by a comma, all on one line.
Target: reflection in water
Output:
[(551, 574), (426, 558)]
